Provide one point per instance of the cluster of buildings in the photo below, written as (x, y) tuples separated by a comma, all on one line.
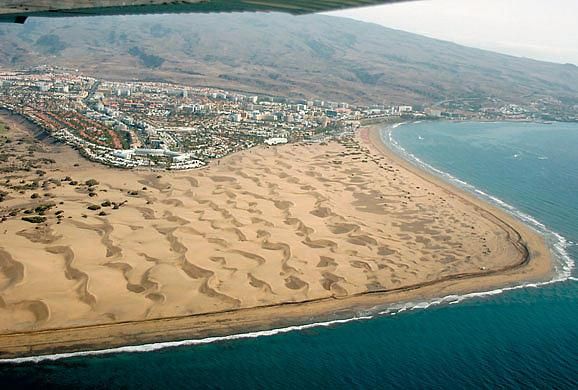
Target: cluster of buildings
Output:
[(160, 125), (541, 109), (169, 126)]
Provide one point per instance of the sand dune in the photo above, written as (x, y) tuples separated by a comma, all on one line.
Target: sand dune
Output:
[(13, 271), (265, 227)]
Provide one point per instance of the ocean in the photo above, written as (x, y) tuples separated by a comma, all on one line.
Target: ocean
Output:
[(521, 337)]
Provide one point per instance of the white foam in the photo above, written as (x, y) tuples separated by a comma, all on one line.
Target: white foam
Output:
[(559, 245), (454, 299), (172, 344), (389, 311)]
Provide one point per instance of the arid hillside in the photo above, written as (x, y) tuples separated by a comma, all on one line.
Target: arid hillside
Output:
[(307, 56)]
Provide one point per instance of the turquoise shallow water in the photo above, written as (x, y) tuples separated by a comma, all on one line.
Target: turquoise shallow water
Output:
[(524, 338)]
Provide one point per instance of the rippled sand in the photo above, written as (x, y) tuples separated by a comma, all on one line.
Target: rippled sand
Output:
[(264, 227)]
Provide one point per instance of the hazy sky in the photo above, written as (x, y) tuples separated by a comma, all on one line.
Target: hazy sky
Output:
[(541, 29)]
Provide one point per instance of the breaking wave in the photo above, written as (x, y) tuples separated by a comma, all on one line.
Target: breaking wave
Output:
[(559, 245), (557, 242), (172, 344)]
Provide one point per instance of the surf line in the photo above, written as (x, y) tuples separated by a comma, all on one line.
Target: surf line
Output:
[(391, 311), (171, 344), (558, 243)]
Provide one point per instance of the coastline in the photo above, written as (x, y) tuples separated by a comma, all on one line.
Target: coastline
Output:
[(528, 237), (533, 264)]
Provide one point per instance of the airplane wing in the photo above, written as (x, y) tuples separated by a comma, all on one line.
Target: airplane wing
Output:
[(17, 11)]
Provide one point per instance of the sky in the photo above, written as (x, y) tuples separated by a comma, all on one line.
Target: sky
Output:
[(540, 29)]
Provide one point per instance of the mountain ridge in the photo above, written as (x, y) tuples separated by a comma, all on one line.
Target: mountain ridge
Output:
[(314, 56)]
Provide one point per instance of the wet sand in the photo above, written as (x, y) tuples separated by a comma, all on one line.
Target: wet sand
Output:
[(268, 237)]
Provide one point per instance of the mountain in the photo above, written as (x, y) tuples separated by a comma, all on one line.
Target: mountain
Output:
[(308, 56)]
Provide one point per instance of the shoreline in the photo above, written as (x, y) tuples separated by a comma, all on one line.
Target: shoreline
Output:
[(534, 263), (526, 235), (469, 191)]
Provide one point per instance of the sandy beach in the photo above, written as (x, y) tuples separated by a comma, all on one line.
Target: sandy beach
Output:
[(93, 257)]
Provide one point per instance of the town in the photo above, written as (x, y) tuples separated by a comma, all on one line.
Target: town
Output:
[(167, 126)]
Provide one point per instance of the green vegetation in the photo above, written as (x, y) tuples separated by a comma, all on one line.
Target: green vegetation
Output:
[(125, 139), (43, 208), (34, 219)]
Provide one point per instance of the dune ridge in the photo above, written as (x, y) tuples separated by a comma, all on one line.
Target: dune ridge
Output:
[(268, 234)]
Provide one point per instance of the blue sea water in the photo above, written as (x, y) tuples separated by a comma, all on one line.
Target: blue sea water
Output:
[(521, 338)]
